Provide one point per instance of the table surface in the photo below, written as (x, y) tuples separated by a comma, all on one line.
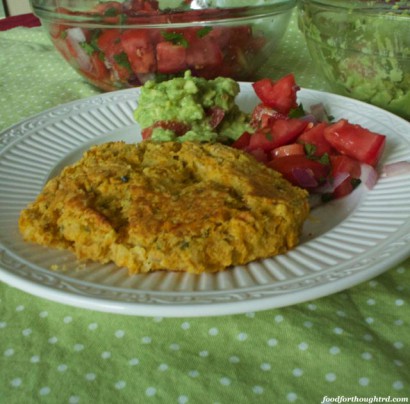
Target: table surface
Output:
[(354, 343)]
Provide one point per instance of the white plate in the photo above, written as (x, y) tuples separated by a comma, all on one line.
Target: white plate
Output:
[(344, 243)]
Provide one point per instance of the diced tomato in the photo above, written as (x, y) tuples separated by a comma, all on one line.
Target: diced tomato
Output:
[(342, 166), (170, 58), (355, 141), (179, 128), (288, 150), (262, 116), (280, 95), (260, 155), (203, 53), (315, 136), (138, 46), (98, 70), (301, 170), (242, 142)]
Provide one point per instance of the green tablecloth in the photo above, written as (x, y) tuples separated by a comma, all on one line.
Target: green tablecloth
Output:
[(354, 344)]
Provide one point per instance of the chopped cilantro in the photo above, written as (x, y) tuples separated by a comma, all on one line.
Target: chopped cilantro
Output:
[(355, 182), (324, 159), (297, 112), (122, 60), (203, 31), (176, 38), (88, 48), (310, 150), (110, 12)]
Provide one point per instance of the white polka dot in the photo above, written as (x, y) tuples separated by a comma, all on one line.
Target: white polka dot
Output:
[(251, 314), (74, 400), (68, 319), (234, 359), (35, 359), (92, 326), (16, 382), (398, 385), (134, 361), (182, 399), (399, 322), (9, 352), (203, 354), (373, 283), (163, 367), (367, 356), (278, 318), (369, 320), (106, 355), (213, 331), (3, 324), (52, 340), (371, 302), (44, 391), (308, 324), (398, 362), (157, 319), (225, 381), (151, 391), (272, 342), (185, 325), (90, 377), (338, 330), (120, 384), (364, 381), (193, 373), (398, 345), (303, 346), (312, 306), (330, 377), (78, 347), (43, 314), (266, 366), (297, 372), (119, 333), (258, 389), (27, 332), (175, 347), (291, 397), (334, 350), (242, 336), (146, 340), (368, 337), (399, 302), (341, 313), (62, 367), (20, 308)]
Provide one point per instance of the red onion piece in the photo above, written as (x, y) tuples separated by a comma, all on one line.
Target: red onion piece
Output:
[(76, 36), (332, 184), (368, 176), (394, 169), (304, 177)]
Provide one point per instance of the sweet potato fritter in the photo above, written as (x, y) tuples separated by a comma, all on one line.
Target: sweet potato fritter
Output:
[(167, 206)]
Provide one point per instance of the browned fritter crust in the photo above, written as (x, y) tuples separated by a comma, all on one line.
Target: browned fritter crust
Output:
[(167, 206)]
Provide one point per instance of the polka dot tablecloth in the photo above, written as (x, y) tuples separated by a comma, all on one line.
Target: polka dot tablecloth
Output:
[(354, 344)]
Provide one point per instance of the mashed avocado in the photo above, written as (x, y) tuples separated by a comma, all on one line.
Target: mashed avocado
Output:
[(363, 55), (191, 108)]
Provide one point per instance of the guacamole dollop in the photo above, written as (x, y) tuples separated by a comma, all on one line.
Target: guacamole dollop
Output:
[(204, 109)]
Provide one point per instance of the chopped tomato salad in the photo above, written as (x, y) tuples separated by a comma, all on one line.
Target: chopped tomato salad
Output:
[(113, 57), (328, 158)]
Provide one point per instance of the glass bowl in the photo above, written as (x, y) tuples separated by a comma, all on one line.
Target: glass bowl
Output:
[(362, 48), (121, 44)]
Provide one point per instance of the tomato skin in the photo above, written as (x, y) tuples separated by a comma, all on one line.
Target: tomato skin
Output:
[(170, 58), (242, 142), (280, 94), (138, 46), (293, 149), (355, 141), (288, 165), (315, 136), (342, 165)]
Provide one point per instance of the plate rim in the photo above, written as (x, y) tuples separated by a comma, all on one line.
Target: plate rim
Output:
[(182, 309)]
